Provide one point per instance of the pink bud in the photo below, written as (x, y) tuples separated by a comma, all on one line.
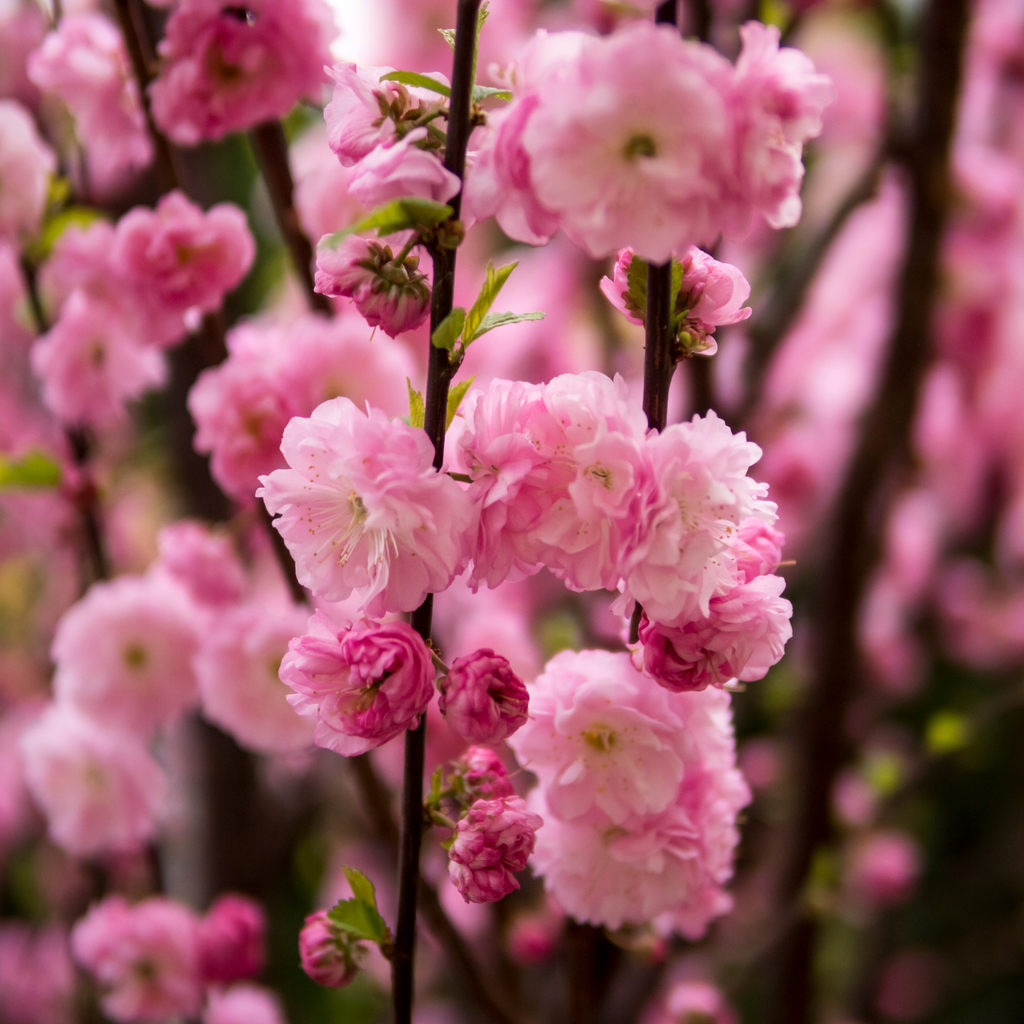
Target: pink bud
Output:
[(483, 774), (231, 940), (328, 957), (482, 698), (492, 841)]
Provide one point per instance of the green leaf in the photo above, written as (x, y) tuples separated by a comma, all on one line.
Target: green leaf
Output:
[(493, 320), (362, 887), (33, 469), (455, 395), (417, 409), (359, 919), (485, 92), (419, 81), (488, 293), (449, 329), (449, 36), (398, 215), (636, 287)]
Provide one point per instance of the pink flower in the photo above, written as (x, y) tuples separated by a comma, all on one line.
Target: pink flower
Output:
[(403, 169), (482, 698), (885, 867), (237, 670), (321, 185), (742, 637), (777, 100), (492, 841), (124, 653), (392, 296), (143, 956), (84, 62), (90, 363), (362, 508), (757, 548), (99, 789), (243, 1004), (230, 940), (201, 561), (225, 71), (690, 1002), (363, 684), (26, 163), (37, 978), (363, 110), (180, 258), (484, 775), (327, 957)]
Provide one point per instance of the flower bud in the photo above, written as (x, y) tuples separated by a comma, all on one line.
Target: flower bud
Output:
[(329, 956), (484, 776), (231, 940), (482, 699)]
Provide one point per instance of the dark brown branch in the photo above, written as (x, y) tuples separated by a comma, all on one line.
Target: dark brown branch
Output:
[(268, 142), (820, 741)]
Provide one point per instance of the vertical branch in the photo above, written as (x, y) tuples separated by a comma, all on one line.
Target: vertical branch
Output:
[(883, 446), (439, 374), (271, 150)]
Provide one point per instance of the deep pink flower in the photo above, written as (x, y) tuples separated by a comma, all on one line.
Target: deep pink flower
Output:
[(37, 978), (84, 62), (100, 790), (231, 940), (492, 841), (243, 1004), (482, 699), (483, 774), (363, 684), (362, 508), (403, 169), (327, 957), (202, 561), (226, 69), (142, 956), (392, 296), (26, 163)]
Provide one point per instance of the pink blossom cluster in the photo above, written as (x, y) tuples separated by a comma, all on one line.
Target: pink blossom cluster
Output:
[(276, 371), (158, 960), (638, 790), (122, 294), (583, 146)]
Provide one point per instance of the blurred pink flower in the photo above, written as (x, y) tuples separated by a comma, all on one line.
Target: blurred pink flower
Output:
[(37, 978), (26, 163), (231, 940), (692, 1002), (884, 867), (482, 699), (243, 1004), (322, 198), (201, 561)]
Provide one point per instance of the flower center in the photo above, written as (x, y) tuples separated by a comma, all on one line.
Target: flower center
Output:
[(135, 656), (602, 474), (600, 737), (640, 145)]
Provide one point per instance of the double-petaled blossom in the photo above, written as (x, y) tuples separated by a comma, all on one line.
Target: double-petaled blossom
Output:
[(84, 62), (243, 1004), (328, 955), (362, 684), (482, 699), (26, 163), (391, 294), (492, 842), (201, 561), (226, 69), (99, 789), (404, 169), (363, 508), (484, 775), (143, 958), (231, 940)]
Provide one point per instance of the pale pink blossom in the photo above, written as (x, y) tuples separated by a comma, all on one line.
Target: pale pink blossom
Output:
[(84, 62), (884, 867), (226, 69), (854, 800), (231, 940), (362, 684), (482, 699), (493, 840), (26, 163), (326, 957), (757, 548), (356, 120), (182, 259), (243, 1004), (90, 363), (99, 789), (692, 1002), (362, 508), (23, 24), (484, 775), (80, 259), (201, 561), (390, 295), (237, 670), (15, 808), (403, 169), (37, 978), (777, 100), (143, 958), (124, 653), (322, 200)]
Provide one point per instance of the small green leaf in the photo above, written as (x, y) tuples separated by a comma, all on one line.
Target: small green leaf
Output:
[(488, 293), (449, 329), (417, 80), (449, 36), (362, 887), (493, 320), (398, 215), (636, 290), (359, 919), (947, 731), (455, 395), (485, 92), (33, 469), (417, 409)]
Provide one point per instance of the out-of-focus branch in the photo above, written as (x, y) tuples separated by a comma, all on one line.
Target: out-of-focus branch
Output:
[(271, 150), (819, 741)]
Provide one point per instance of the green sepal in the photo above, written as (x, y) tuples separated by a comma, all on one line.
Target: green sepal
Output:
[(449, 842), (33, 469), (449, 329), (415, 79), (449, 37), (408, 212), (455, 395), (417, 408), (635, 296)]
